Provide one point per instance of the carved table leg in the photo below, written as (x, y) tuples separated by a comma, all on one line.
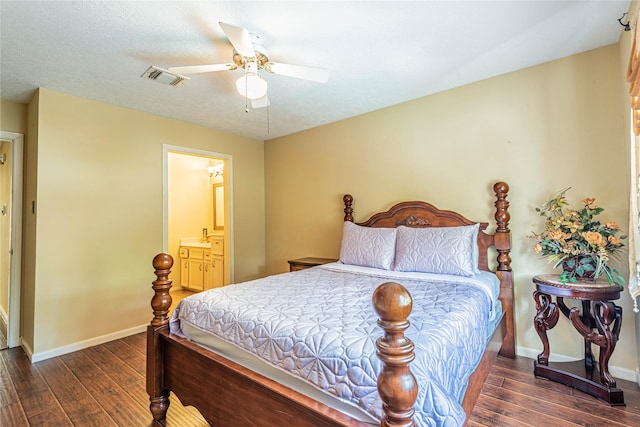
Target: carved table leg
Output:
[(605, 314), (545, 319)]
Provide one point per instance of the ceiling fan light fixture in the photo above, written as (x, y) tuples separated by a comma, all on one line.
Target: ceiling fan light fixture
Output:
[(251, 86)]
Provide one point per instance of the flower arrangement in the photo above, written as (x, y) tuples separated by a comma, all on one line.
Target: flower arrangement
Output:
[(577, 241)]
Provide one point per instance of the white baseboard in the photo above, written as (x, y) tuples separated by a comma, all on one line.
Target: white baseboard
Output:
[(615, 371), (37, 357)]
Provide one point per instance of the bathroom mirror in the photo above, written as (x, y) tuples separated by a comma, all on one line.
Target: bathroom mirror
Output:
[(218, 206)]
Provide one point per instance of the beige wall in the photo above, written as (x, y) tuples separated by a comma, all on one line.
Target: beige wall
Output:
[(13, 117), (541, 129), (30, 192), (99, 214)]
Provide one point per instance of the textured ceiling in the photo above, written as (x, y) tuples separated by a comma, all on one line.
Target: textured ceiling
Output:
[(378, 53)]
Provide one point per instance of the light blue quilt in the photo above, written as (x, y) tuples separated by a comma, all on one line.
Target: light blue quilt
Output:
[(319, 324)]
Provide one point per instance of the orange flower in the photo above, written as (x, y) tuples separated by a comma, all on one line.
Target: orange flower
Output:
[(556, 235), (537, 248), (588, 201), (612, 225), (595, 238), (614, 240)]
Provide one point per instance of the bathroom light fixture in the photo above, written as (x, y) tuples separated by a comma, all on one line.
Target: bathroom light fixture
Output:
[(251, 85), (216, 170)]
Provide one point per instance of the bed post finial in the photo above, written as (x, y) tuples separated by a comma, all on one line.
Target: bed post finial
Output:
[(396, 384), (161, 301), (348, 210), (502, 206), (503, 234)]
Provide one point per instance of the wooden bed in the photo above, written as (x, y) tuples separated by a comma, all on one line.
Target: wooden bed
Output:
[(227, 394)]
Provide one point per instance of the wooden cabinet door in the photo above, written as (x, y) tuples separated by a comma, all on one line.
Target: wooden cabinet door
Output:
[(196, 274), (207, 266), (217, 271), (184, 272), (184, 267)]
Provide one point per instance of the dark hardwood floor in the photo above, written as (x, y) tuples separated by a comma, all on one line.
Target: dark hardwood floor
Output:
[(105, 386), (512, 396)]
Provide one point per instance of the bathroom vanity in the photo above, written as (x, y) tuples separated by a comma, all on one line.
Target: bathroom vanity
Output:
[(202, 263)]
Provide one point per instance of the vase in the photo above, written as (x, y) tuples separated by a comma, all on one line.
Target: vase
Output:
[(581, 267)]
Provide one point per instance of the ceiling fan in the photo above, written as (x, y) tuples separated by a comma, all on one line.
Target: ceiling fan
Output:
[(251, 56)]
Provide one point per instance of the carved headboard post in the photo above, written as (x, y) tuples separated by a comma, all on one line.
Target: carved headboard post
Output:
[(503, 234), (502, 244), (348, 210)]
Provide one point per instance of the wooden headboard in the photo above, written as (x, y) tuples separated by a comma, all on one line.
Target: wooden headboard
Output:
[(423, 214)]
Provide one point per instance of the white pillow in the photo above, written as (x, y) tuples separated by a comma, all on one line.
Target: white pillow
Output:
[(368, 246), (441, 250)]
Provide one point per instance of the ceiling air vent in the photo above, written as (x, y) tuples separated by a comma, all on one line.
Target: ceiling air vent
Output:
[(163, 76)]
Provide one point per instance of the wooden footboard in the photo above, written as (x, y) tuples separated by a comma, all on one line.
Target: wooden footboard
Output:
[(227, 394)]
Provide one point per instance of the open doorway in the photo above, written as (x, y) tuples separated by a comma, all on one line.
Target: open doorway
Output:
[(198, 231), (11, 185)]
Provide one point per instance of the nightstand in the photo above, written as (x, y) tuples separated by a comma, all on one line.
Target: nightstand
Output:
[(598, 321), (302, 263)]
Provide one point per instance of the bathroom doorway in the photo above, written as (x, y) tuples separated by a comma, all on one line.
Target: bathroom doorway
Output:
[(197, 201), (11, 187)]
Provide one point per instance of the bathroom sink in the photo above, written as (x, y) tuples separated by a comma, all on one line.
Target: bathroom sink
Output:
[(197, 244)]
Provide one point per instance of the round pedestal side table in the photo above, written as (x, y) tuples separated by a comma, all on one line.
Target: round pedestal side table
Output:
[(598, 320)]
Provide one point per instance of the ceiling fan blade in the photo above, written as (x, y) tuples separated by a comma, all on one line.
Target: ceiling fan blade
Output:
[(194, 69), (239, 38), (316, 74), (260, 102)]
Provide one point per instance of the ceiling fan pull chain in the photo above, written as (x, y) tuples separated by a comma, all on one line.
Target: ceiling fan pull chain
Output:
[(246, 95)]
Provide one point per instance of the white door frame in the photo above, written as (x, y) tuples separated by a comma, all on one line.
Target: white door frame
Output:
[(15, 236), (166, 148)]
